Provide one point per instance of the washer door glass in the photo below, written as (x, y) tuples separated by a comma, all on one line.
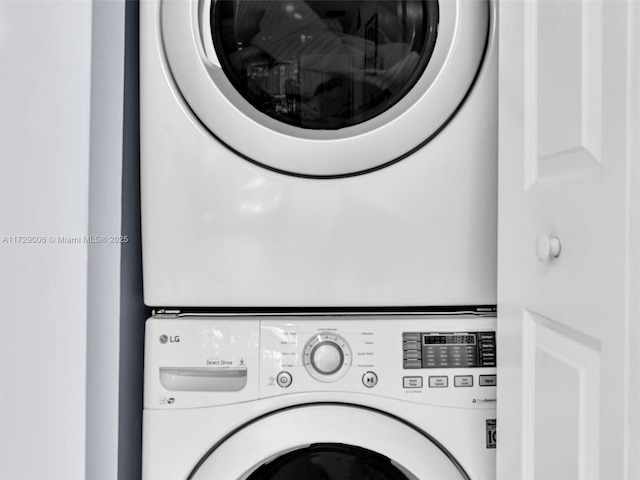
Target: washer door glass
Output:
[(324, 64), (328, 442), (331, 461)]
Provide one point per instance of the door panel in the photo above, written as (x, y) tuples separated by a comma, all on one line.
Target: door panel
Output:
[(561, 369), (562, 87), (568, 75), (566, 120)]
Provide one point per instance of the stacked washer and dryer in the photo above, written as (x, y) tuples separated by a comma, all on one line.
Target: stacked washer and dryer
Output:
[(319, 239)]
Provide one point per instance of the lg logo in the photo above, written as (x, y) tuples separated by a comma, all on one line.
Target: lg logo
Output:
[(165, 339)]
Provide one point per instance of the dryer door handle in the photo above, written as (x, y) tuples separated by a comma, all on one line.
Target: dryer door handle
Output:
[(203, 379)]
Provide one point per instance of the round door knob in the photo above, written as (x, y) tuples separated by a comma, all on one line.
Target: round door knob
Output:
[(327, 358), (547, 248)]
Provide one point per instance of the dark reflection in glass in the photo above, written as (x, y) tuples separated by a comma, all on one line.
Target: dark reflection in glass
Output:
[(324, 64), (329, 461)]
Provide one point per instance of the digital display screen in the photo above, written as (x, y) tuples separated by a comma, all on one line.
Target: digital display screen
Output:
[(449, 349), (463, 339)]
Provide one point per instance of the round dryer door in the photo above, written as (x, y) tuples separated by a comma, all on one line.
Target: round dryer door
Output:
[(328, 442), (324, 88)]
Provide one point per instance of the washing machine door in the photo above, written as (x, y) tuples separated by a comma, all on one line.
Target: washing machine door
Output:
[(324, 88), (328, 442)]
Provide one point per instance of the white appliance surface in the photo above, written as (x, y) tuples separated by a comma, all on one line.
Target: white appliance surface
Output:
[(237, 397), (241, 210)]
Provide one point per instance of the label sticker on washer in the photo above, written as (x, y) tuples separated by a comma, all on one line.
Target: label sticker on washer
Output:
[(491, 433), (219, 362)]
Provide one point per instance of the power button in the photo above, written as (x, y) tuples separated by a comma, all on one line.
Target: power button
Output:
[(284, 379), (369, 379)]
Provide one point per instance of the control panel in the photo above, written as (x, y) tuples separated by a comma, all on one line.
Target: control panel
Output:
[(449, 350), (429, 360), (201, 361)]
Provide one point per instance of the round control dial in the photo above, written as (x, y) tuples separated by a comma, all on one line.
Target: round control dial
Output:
[(327, 357)]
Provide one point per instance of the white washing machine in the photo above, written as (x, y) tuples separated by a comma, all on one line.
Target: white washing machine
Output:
[(320, 398), (318, 153)]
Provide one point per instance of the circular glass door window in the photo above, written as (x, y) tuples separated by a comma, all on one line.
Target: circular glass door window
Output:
[(331, 461), (324, 64)]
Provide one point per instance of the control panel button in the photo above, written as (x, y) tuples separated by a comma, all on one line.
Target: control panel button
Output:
[(369, 379), (411, 345), (463, 381), (327, 358), (488, 380), (411, 336), (412, 355), (438, 382), (412, 382), (412, 364), (487, 349), (284, 379)]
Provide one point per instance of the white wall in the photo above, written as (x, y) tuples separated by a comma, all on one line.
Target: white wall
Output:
[(45, 53), (60, 175)]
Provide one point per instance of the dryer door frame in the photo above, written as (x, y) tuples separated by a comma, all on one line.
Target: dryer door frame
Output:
[(244, 450), (462, 39)]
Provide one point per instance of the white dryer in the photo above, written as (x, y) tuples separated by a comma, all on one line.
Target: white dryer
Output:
[(318, 153), (320, 398)]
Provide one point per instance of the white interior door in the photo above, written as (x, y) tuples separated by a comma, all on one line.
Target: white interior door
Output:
[(568, 324)]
